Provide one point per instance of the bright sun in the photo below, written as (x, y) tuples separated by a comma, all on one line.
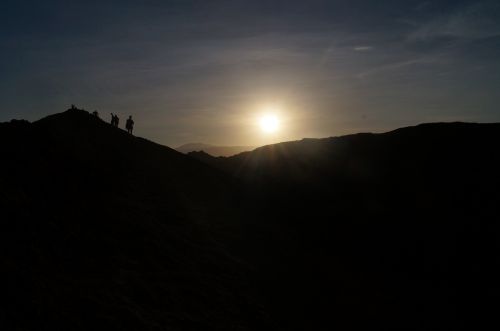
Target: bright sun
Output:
[(269, 123)]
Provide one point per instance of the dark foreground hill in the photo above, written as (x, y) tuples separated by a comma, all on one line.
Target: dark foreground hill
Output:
[(101, 229)]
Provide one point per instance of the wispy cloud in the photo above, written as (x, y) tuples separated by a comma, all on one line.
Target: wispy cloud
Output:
[(395, 66), (363, 48)]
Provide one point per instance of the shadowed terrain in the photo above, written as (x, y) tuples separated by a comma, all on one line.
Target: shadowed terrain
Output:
[(101, 229), (381, 231)]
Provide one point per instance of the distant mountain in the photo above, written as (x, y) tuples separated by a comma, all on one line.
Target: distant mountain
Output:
[(214, 150)]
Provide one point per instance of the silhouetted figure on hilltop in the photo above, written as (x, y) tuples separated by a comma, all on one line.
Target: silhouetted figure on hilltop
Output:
[(95, 113), (73, 107), (115, 120), (130, 124)]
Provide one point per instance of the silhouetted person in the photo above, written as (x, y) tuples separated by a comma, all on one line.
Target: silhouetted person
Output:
[(73, 107), (130, 124), (96, 113), (115, 120)]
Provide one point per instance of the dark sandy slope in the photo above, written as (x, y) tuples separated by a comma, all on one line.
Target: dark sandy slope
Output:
[(103, 230), (369, 231)]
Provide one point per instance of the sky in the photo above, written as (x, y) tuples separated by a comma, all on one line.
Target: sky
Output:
[(205, 71)]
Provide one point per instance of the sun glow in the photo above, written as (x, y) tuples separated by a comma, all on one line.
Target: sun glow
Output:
[(269, 123)]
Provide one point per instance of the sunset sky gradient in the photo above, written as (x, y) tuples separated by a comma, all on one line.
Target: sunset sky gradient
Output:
[(205, 71)]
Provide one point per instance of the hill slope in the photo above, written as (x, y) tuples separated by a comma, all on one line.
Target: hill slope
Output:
[(369, 231), (382, 231), (103, 229)]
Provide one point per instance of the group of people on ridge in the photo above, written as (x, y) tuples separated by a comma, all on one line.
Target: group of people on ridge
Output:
[(129, 125), (115, 120)]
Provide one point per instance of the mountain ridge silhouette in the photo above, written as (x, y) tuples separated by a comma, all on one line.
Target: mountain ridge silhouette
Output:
[(383, 231), (373, 216)]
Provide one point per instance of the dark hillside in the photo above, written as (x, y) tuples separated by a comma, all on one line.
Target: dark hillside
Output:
[(382, 231), (101, 229)]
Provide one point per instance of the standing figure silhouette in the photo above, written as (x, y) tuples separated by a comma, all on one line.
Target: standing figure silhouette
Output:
[(114, 120), (130, 124)]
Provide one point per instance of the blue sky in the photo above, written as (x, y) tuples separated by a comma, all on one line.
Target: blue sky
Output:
[(192, 71)]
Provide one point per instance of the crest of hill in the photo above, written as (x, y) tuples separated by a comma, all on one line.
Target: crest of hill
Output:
[(364, 153), (84, 139)]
